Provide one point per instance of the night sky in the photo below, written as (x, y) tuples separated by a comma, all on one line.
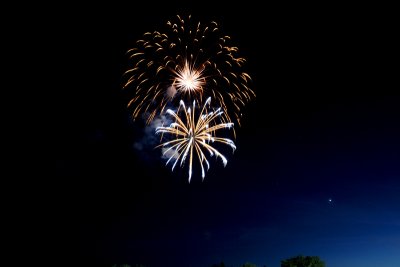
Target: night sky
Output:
[(317, 166)]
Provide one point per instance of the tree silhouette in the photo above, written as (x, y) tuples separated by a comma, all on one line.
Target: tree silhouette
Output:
[(303, 261)]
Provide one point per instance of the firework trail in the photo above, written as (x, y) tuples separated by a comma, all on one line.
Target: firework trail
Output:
[(193, 136), (188, 61)]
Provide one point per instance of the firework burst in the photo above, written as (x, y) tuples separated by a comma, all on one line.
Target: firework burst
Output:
[(193, 136), (187, 61)]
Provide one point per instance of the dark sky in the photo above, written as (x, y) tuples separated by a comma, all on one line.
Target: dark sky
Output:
[(316, 170)]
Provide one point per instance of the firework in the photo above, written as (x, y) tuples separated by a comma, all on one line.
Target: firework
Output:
[(187, 61), (193, 136)]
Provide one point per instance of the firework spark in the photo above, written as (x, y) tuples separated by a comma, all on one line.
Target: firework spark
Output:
[(188, 61), (193, 136)]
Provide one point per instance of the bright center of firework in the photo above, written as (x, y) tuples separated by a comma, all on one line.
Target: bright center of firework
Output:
[(190, 82), (189, 78)]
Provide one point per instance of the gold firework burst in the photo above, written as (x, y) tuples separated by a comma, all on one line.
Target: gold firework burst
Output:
[(188, 61)]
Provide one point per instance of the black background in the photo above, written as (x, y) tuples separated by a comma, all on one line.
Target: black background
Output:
[(323, 75)]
